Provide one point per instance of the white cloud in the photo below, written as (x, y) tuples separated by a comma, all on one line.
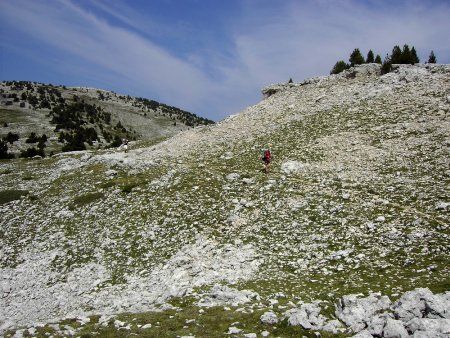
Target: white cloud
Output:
[(125, 54), (266, 42)]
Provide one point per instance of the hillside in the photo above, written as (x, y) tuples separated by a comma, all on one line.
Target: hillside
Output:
[(101, 118), (189, 237)]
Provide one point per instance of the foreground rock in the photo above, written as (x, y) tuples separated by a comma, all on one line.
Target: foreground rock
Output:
[(417, 313)]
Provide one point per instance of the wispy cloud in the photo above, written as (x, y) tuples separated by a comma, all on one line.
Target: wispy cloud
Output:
[(216, 66), (137, 61)]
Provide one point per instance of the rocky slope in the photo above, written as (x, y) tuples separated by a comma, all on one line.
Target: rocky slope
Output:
[(356, 202)]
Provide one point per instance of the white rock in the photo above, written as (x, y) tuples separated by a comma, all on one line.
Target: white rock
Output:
[(233, 176), (380, 219), (269, 318), (292, 167), (233, 330), (394, 329), (355, 312), (250, 335), (362, 334), (443, 206)]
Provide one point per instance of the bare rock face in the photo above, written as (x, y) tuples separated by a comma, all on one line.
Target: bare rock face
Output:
[(418, 312), (364, 70)]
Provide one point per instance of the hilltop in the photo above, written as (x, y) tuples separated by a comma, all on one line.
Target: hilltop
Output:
[(348, 233), (78, 118)]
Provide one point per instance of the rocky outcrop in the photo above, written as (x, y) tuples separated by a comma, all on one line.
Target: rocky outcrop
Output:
[(418, 313)]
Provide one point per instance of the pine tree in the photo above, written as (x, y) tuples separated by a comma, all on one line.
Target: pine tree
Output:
[(406, 55), (396, 56), (386, 67), (378, 59), (432, 58), (414, 57), (340, 66), (356, 58), (370, 57)]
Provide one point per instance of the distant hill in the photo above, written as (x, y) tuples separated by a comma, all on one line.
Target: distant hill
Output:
[(75, 118)]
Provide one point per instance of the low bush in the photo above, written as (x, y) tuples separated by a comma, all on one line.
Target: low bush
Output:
[(11, 195), (86, 199)]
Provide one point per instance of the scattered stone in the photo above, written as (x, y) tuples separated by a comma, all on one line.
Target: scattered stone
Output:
[(250, 335), (443, 206), (233, 330), (269, 318), (292, 167), (111, 172), (233, 176)]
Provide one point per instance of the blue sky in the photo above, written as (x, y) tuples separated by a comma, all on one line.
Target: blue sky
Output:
[(210, 57)]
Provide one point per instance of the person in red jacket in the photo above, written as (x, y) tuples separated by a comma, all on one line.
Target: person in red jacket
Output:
[(266, 158)]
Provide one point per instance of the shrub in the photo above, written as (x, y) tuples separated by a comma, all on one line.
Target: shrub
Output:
[(32, 138), (4, 150), (387, 65), (31, 152), (339, 67), (116, 143), (11, 138), (128, 187), (87, 198)]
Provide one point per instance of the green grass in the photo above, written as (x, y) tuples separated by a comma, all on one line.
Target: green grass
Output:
[(11, 195), (87, 199), (212, 322)]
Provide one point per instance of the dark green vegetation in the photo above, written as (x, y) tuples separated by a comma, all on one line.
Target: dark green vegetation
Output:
[(7, 196), (406, 55)]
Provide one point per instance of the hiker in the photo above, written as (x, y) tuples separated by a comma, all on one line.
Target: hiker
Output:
[(125, 144), (266, 158)]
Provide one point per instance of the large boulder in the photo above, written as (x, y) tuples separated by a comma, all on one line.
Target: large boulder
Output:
[(357, 312), (422, 303)]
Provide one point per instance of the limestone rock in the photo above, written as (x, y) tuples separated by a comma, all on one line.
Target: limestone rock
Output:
[(394, 329), (363, 334), (269, 318), (355, 312), (430, 326), (292, 167)]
